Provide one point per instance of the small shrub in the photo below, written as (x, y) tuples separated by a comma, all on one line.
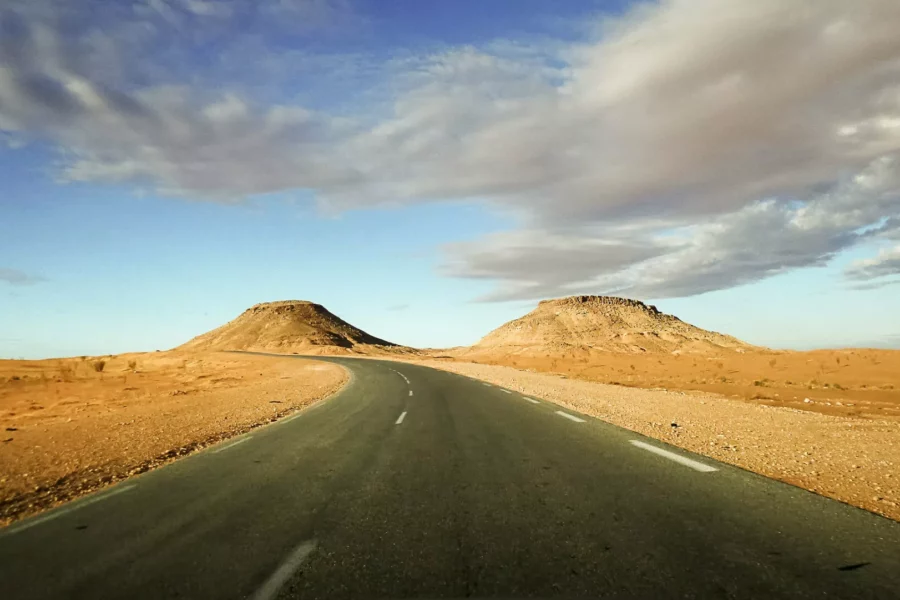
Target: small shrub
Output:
[(132, 364), (98, 365), (632, 367), (773, 362)]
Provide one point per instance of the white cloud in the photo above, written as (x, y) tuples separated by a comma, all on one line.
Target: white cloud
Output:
[(762, 239), (692, 145), (886, 263)]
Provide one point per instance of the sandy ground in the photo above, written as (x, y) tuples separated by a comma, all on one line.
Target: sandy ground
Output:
[(68, 428), (853, 382), (850, 457)]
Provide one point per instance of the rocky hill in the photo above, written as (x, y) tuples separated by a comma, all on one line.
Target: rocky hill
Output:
[(602, 323), (291, 326)]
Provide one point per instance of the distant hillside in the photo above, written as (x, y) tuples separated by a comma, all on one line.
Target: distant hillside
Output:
[(603, 323), (291, 326)]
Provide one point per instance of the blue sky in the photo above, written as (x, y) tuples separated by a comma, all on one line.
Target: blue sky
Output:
[(428, 171)]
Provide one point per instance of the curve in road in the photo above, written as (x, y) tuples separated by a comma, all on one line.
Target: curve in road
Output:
[(413, 482)]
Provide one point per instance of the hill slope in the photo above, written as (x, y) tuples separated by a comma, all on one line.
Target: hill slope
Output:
[(603, 323), (290, 325)]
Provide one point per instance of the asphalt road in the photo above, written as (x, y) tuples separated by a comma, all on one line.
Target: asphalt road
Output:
[(413, 482)]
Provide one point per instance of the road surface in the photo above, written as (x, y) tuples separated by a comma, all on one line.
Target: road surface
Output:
[(413, 482)]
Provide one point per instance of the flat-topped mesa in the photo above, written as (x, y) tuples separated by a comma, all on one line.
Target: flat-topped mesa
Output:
[(289, 304), (606, 323), (590, 301), (295, 325)]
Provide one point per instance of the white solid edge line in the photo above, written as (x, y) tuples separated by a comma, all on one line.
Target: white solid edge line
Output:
[(273, 584), (532, 400), (64, 511), (400, 418), (231, 445), (682, 460), (570, 417)]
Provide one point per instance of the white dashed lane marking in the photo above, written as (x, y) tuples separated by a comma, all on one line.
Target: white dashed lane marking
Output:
[(682, 460), (506, 391), (400, 418), (401, 375), (276, 580), (532, 400), (570, 417)]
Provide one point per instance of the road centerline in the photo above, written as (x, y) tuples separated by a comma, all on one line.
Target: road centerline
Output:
[(276, 580), (682, 460), (570, 417)]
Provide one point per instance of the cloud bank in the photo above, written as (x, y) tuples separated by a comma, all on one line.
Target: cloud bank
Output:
[(685, 147)]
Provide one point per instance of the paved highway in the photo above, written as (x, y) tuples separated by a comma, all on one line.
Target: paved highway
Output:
[(413, 482)]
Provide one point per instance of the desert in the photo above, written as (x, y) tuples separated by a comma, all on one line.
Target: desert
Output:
[(827, 421)]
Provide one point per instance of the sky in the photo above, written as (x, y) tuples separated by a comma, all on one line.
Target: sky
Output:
[(430, 170)]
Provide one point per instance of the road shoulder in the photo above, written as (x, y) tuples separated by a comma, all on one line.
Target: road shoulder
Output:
[(853, 460)]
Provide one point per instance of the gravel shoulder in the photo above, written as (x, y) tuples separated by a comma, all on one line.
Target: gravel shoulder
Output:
[(67, 429), (854, 460)]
